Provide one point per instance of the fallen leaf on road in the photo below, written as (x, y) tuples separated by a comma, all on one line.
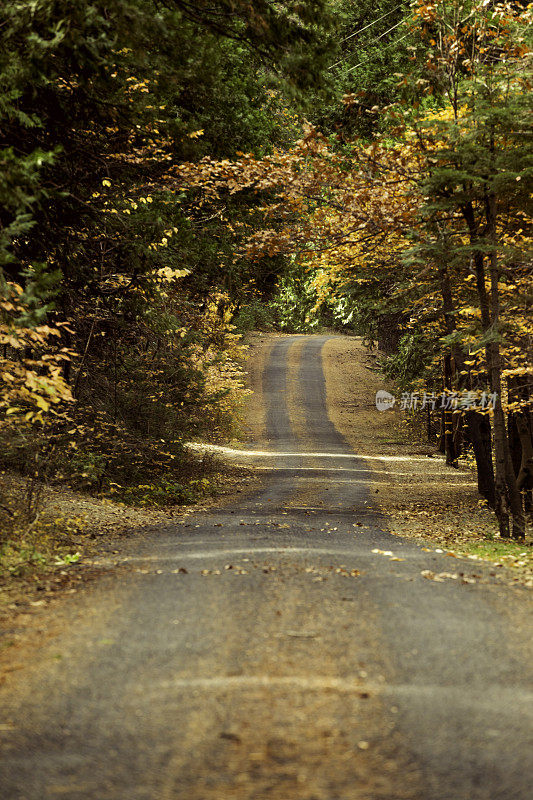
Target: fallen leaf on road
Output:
[(431, 576), (233, 737), (440, 577)]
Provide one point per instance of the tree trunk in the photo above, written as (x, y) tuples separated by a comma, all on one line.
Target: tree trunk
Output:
[(441, 444), (449, 440), (508, 497), (458, 434), (513, 394), (479, 433), (520, 432), (453, 364), (525, 473)]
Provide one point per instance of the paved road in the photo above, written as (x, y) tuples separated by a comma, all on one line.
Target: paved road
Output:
[(301, 666)]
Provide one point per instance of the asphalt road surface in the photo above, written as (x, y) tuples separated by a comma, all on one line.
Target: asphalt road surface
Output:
[(263, 650)]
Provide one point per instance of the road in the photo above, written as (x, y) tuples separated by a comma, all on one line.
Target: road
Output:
[(264, 650)]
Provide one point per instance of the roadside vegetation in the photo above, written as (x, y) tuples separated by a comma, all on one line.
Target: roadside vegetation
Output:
[(408, 220), (117, 291), (329, 163)]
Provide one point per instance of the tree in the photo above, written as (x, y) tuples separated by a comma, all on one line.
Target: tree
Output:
[(440, 197), (97, 99), (480, 174)]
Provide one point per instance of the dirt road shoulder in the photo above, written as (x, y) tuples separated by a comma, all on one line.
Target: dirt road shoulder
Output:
[(421, 496)]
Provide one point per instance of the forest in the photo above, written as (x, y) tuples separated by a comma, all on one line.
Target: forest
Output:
[(174, 175)]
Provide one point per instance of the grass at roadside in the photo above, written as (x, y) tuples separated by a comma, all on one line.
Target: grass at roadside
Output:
[(465, 531), (51, 554)]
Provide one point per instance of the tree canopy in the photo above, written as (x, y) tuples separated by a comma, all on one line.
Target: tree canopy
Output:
[(171, 169)]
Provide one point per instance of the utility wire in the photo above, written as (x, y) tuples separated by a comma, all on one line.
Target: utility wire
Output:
[(366, 60), (371, 23), (372, 41)]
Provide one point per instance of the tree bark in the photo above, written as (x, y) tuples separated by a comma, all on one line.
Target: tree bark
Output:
[(512, 430), (520, 433), (479, 433), (452, 364), (508, 497), (525, 473), (449, 440)]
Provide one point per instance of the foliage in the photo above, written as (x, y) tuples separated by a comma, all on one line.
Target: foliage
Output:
[(31, 375), (254, 316), (433, 214), (116, 334), (294, 302), (153, 206), (372, 48), (164, 492), (410, 362)]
